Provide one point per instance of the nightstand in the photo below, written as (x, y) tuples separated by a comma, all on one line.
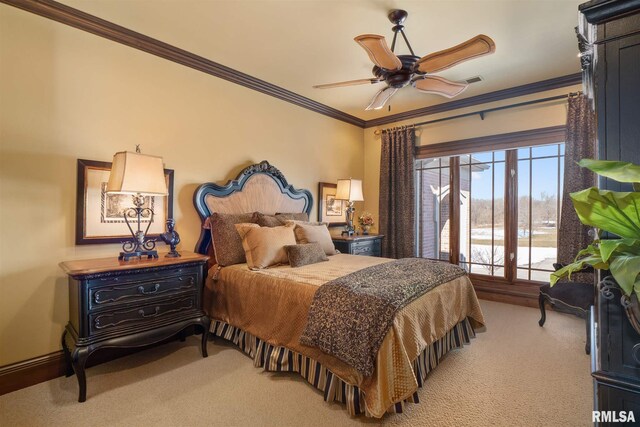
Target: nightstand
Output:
[(130, 304), (364, 244)]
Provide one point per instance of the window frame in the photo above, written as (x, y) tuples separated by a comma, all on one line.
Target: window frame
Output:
[(508, 142)]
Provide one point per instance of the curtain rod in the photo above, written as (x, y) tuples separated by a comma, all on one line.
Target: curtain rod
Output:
[(490, 110)]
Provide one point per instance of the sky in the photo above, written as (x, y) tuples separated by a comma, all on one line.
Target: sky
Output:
[(545, 173)]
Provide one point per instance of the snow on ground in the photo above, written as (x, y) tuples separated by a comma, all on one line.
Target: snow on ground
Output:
[(540, 257), (498, 233)]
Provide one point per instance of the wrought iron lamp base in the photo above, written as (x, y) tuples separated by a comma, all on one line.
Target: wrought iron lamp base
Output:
[(349, 230), (126, 256), (139, 246)]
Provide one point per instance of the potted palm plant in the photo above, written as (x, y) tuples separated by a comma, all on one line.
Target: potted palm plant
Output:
[(616, 213)]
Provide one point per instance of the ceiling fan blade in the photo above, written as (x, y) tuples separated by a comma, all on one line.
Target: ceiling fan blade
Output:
[(347, 83), (381, 98), (439, 86), (379, 52), (478, 46)]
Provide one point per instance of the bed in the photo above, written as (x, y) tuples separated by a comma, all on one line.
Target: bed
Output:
[(264, 312)]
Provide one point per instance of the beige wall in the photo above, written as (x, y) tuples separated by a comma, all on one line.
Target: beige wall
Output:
[(534, 116), (66, 94)]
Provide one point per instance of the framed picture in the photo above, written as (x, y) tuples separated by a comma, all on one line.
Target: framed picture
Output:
[(329, 209), (99, 216)]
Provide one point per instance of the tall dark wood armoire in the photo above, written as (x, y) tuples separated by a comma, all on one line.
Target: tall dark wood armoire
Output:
[(609, 34)]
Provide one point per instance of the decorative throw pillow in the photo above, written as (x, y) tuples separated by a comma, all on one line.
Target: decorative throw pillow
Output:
[(307, 232), (294, 216), (326, 224), (304, 254), (227, 243), (264, 246), (264, 220), (279, 219)]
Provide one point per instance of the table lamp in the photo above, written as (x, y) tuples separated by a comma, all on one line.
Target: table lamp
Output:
[(349, 190), (139, 175)]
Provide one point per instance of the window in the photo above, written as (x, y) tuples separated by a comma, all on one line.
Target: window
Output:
[(501, 219), (540, 173), (433, 208), (482, 213)]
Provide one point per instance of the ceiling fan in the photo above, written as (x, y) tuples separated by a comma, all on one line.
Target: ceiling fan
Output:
[(399, 71)]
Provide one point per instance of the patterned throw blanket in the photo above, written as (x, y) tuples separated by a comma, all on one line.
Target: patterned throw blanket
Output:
[(350, 316)]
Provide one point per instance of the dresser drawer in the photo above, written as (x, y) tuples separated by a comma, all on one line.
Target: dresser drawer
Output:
[(149, 313), (129, 289), (366, 247), (362, 249), (370, 245), (142, 276)]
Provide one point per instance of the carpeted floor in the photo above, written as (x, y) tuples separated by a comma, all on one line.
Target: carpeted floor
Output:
[(514, 374)]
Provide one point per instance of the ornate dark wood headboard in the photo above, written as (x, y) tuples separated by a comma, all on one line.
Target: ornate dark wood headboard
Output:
[(258, 188)]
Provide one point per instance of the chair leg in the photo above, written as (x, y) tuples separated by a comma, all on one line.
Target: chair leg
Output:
[(587, 346), (543, 314)]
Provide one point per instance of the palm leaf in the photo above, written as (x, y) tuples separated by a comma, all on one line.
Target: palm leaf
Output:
[(593, 260), (625, 269), (613, 247), (620, 171), (611, 211)]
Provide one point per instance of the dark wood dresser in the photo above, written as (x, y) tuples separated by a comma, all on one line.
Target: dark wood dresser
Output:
[(610, 46), (130, 304), (369, 244)]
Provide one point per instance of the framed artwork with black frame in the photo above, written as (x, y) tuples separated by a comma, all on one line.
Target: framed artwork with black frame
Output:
[(330, 209), (99, 216)]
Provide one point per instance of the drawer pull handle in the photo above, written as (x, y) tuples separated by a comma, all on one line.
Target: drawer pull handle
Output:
[(152, 291), (154, 314)]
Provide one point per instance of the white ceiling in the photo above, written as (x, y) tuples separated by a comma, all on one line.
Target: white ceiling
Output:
[(298, 43)]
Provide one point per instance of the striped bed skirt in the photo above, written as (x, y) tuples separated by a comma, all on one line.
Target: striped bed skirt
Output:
[(281, 359)]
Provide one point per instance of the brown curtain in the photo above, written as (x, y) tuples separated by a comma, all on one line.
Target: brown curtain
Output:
[(397, 198), (573, 236)]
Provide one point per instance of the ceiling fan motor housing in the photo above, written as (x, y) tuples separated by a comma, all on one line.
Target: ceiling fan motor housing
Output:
[(398, 78)]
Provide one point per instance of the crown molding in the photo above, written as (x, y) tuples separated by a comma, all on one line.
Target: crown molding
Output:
[(75, 18), (100, 27), (512, 92)]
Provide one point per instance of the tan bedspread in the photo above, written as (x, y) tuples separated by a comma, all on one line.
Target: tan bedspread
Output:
[(273, 304)]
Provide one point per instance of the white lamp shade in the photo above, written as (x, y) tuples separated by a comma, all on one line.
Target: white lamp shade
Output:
[(349, 189), (135, 173)]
